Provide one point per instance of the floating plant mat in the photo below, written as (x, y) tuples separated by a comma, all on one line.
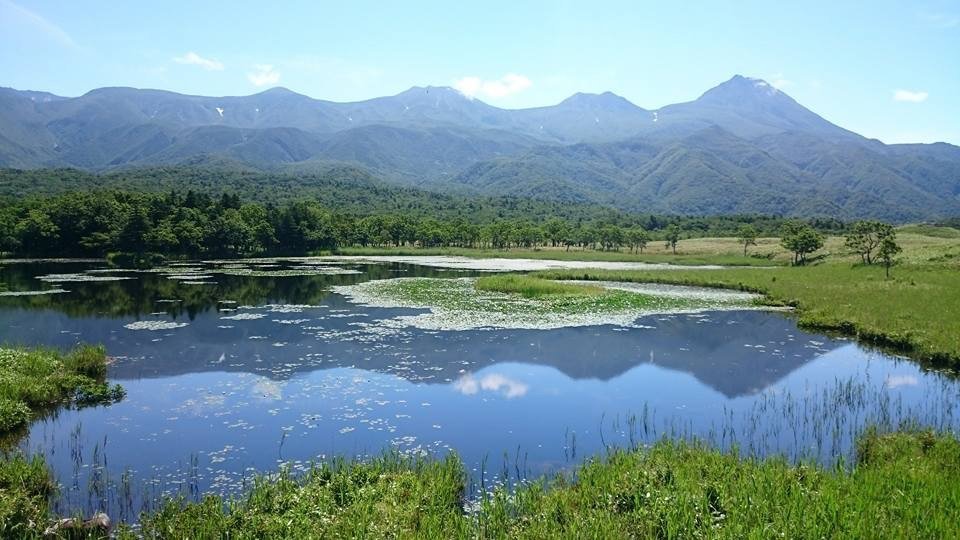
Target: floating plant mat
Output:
[(201, 275), (154, 325), (674, 291), (287, 272), (456, 304), (33, 293), (76, 278)]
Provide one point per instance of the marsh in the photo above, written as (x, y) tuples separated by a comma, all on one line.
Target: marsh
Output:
[(234, 368)]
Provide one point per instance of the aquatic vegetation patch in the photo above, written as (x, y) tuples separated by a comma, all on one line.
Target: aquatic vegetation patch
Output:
[(458, 304), (657, 289), (291, 321), (287, 272), (75, 278), (244, 317), (190, 277), (289, 308), (155, 325), (33, 293)]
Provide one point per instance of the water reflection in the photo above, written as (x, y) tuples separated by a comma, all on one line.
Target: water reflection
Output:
[(735, 353), (262, 371), (469, 385)]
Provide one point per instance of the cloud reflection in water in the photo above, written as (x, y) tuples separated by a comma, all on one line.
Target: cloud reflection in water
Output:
[(469, 385)]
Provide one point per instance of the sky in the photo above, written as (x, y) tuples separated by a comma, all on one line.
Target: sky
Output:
[(887, 70)]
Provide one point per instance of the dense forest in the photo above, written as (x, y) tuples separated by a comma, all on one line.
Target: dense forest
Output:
[(192, 224)]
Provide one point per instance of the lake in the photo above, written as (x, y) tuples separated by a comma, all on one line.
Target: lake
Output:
[(238, 367)]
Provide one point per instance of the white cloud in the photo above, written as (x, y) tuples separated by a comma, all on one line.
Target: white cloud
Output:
[(910, 96), (20, 17), (263, 75), (194, 59), (510, 83)]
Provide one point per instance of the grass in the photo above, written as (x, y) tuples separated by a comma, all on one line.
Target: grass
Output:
[(917, 312), (904, 485), (35, 380), (921, 244), (32, 382), (25, 488), (929, 230), (532, 287)]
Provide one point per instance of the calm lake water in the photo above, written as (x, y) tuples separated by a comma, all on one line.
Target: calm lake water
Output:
[(235, 368)]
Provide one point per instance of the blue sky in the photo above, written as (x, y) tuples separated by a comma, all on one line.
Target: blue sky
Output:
[(889, 70)]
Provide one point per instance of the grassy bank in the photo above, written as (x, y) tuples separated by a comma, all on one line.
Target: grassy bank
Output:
[(32, 381), (916, 312), (904, 485)]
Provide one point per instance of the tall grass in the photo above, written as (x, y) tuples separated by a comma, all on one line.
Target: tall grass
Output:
[(25, 488), (532, 287), (32, 380), (904, 485)]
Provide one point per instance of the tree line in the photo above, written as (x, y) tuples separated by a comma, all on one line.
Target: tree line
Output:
[(194, 224)]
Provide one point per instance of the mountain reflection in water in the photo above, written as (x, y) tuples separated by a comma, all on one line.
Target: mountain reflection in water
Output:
[(252, 372)]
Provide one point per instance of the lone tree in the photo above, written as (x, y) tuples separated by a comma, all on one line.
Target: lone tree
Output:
[(748, 236), (887, 251), (673, 236), (801, 239), (865, 237)]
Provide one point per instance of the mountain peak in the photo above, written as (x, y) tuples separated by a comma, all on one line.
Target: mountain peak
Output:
[(416, 91), (279, 92), (436, 97), (605, 101), (739, 89)]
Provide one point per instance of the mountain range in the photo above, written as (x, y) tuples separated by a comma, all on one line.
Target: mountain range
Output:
[(741, 147)]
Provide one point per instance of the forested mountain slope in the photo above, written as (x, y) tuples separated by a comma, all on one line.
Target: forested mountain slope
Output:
[(743, 146)]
